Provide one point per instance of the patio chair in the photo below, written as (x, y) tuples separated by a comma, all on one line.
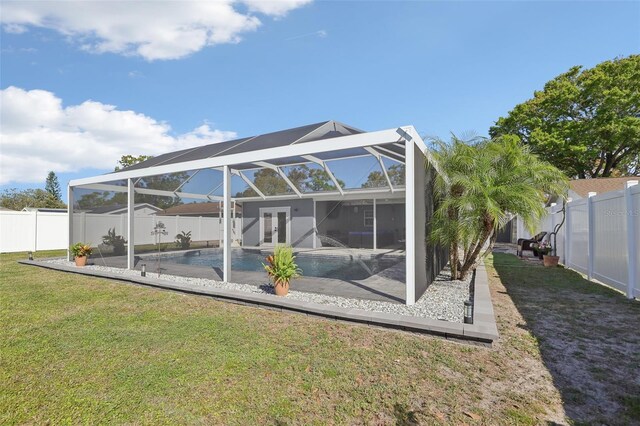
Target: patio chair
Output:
[(525, 244)]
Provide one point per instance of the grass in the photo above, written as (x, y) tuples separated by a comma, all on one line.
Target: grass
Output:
[(87, 350)]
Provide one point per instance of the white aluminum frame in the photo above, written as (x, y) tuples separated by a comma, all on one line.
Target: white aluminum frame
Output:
[(404, 137)]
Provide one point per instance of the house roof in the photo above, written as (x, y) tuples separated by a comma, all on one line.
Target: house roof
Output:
[(311, 132), (193, 209), (582, 187), (44, 210), (117, 207)]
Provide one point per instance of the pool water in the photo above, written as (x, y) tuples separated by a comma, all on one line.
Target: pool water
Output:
[(312, 265)]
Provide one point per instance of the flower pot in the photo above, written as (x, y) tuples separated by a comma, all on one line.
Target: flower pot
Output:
[(550, 261), (281, 289), (81, 260)]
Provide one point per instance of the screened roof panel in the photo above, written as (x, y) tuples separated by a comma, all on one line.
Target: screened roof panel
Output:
[(342, 153), (160, 159), (207, 151), (238, 146), (275, 139)]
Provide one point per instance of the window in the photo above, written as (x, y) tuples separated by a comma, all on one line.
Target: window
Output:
[(368, 218)]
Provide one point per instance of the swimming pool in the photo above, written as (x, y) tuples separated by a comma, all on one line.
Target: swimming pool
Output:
[(312, 265)]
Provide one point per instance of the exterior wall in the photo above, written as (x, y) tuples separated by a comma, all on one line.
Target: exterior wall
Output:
[(429, 258), (345, 222), (390, 224), (301, 221)]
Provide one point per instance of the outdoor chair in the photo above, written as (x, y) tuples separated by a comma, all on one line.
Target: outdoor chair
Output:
[(525, 244)]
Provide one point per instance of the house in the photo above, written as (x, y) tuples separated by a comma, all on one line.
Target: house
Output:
[(206, 209), (44, 210), (326, 187), (141, 209), (580, 188)]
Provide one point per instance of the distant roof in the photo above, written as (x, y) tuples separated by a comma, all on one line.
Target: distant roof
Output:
[(44, 210), (582, 187), (311, 132), (117, 207), (194, 209)]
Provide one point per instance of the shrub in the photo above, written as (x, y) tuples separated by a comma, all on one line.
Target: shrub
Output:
[(183, 240), (81, 249), (115, 241)]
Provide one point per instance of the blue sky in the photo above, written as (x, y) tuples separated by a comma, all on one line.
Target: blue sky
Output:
[(441, 66)]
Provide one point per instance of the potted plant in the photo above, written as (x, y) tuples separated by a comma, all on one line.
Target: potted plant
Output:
[(115, 241), (282, 268), (548, 254), (80, 252), (541, 249)]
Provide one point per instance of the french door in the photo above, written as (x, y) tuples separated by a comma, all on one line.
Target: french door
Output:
[(275, 226)]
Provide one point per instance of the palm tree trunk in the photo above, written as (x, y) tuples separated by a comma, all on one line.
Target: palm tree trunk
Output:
[(454, 259), (472, 260)]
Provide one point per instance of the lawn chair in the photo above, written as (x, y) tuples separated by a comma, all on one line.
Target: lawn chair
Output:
[(525, 244)]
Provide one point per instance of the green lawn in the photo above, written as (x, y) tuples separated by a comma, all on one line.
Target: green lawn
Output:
[(83, 350)]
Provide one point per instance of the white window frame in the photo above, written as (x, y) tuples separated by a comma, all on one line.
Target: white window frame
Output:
[(274, 211)]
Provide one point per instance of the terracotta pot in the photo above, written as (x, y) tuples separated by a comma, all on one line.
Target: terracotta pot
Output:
[(550, 261), (282, 289), (81, 260)]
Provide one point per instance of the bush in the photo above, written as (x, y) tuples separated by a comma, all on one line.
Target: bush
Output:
[(183, 240), (80, 250), (115, 241)]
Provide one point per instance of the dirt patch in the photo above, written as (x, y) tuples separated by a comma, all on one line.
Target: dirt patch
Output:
[(587, 337)]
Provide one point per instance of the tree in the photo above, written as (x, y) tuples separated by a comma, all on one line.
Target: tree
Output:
[(305, 179), (52, 186), (479, 186), (586, 122), (97, 199), (129, 160), (167, 182), (37, 198), (377, 179)]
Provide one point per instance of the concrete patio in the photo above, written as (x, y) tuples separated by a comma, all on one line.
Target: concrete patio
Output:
[(387, 285)]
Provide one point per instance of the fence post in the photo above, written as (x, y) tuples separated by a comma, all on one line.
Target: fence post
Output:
[(567, 232), (591, 228), (69, 221), (632, 250), (35, 231)]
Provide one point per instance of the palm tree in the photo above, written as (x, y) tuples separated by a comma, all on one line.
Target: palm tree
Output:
[(480, 185)]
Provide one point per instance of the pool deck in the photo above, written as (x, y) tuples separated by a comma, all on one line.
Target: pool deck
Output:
[(386, 286)]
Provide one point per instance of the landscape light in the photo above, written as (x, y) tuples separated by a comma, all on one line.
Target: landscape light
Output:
[(143, 270), (468, 312), (30, 255)]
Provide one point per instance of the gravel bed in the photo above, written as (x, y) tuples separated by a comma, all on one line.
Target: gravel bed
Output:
[(443, 300)]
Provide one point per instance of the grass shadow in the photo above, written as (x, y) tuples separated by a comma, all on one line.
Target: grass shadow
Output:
[(587, 335)]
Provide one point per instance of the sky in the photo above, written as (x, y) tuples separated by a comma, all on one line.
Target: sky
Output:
[(83, 83)]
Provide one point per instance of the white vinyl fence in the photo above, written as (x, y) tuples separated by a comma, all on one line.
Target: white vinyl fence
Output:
[(33, 231), (600, 237)]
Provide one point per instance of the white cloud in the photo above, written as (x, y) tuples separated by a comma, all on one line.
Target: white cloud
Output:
[(39, 134), (152, 29)]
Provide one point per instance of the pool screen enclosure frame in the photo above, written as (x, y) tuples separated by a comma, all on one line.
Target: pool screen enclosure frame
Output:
[(408, 148)]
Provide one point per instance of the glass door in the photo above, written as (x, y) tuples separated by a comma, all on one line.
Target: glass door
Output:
[(275, 226)]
